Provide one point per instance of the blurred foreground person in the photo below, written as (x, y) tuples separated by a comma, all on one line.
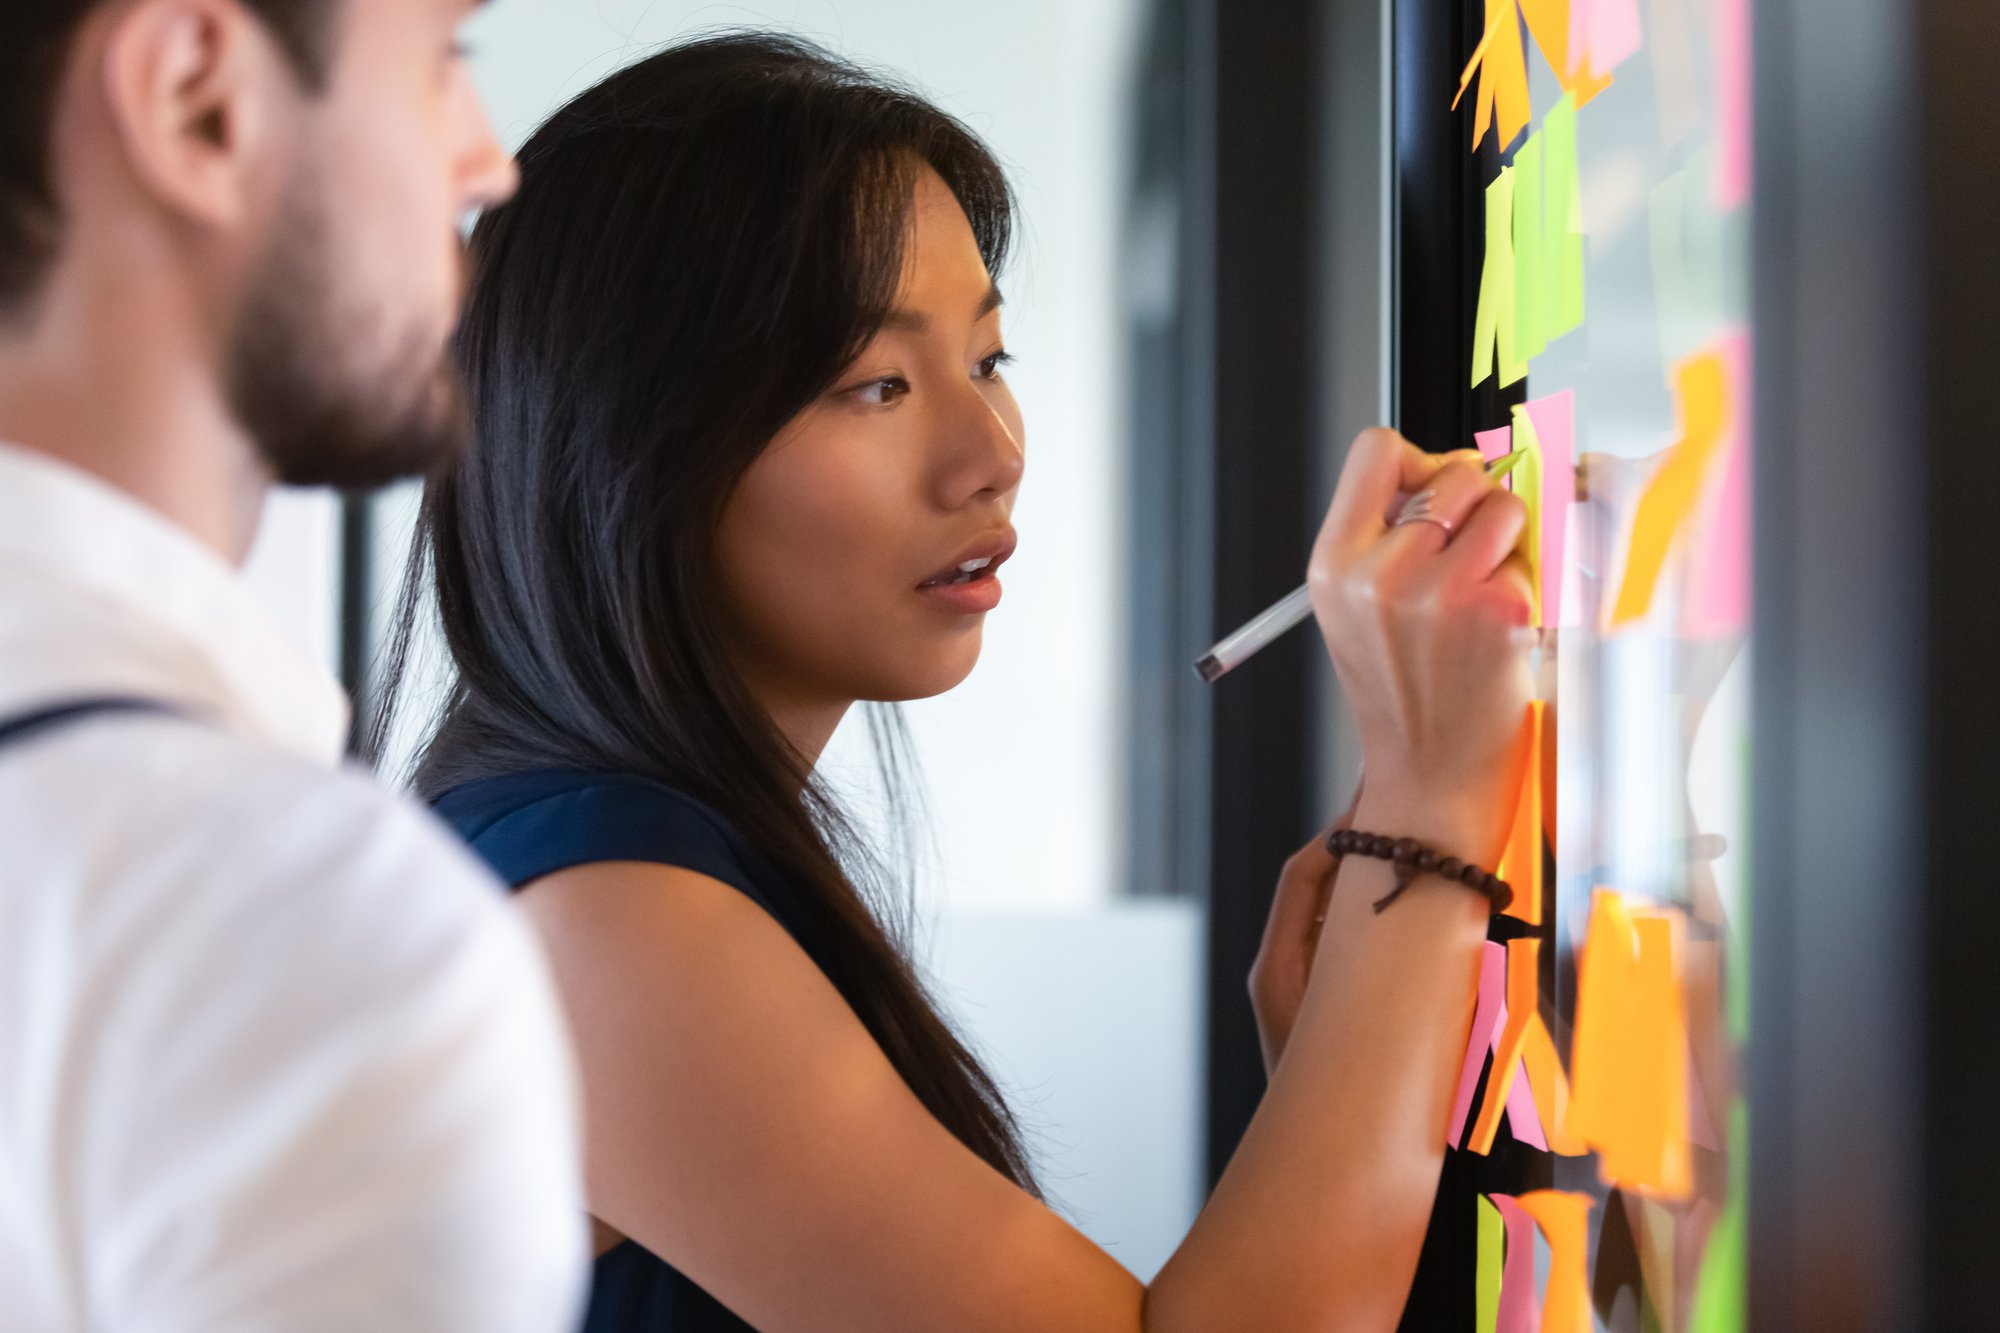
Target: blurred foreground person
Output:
[(275, 1053)]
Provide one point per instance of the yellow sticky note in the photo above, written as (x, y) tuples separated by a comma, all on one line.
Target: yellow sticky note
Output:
[(1564, 1218), (1702, 386), (1521, 862), (1527, 479), (1486, 1288), (1629, 1101), (1493, 324), (1562, 222), (1530, 275)]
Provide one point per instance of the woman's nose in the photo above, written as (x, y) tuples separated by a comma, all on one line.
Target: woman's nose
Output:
[(988, 458)]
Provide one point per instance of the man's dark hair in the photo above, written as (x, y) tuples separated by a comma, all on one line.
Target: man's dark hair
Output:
[(35, 41)]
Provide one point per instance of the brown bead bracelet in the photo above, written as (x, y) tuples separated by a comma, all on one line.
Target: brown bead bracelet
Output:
[(1411, 858)]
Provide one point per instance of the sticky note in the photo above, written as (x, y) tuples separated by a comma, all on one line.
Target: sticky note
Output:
[(1495, 445), (1502, 69), (1629, 1057), (1719, 601), (1653, 1228), (1701, 385), (1554, 422), (1721, 1293), (1523, 1117), (1520, 1310), (1564, 1219), (1486, 1276), (1523, 1008), (1493, 324), (1550, 1087), (1530, 280), (1732, 104), (1489, 1011), (1528, 485), (1611, 31), (1562, 222), (1521, 859)]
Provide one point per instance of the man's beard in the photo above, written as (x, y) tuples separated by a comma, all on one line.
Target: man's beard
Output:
[(309, 380)]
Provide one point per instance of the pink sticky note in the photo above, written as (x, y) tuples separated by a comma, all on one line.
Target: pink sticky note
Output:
[(1721, 601), (1555, 428), (1521, 1112), (1487, 1017), (1494, 444), (1520, 1312), (1614, 32), (1732, 103)]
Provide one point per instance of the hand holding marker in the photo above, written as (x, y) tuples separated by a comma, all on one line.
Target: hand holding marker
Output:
[(1265, 628)]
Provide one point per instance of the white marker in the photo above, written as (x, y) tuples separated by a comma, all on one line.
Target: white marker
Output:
[(1272, 623)]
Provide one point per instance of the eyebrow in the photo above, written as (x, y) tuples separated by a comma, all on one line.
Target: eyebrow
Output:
[(915, 321)]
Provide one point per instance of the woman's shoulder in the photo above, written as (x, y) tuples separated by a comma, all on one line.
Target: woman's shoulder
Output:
[(531, 824)]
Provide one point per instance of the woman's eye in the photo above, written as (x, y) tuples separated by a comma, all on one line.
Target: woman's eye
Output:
[(990, 368), (882, 392)]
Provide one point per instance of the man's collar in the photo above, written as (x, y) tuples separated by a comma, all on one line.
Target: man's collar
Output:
[(209, 645)]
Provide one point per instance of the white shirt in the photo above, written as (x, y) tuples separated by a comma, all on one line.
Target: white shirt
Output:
[(276, 1055)]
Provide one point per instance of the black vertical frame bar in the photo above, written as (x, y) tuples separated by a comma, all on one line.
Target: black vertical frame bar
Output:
[(357, 598), (1875, 996), (1961, 284), (1254, 133), (1440, 243)]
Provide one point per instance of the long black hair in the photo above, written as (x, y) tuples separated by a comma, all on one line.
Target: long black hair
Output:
[(699, 247)]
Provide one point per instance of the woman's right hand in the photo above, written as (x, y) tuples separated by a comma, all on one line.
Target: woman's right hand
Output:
[(1428, 627)]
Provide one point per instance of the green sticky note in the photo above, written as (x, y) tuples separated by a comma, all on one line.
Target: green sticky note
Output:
[(1530, 271), (1562, 222), (1486, 1292), (1493, 322), (1527, 484), (1722, 1293)]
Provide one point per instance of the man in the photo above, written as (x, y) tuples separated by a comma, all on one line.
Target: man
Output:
[(273, 1054)]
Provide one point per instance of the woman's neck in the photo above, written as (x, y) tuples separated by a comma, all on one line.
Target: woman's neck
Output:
[(806, 723)]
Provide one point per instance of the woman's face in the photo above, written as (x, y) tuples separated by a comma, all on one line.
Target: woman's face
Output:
[(850, 551)]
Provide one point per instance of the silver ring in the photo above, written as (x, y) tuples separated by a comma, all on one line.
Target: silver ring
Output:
[(1417, 509)]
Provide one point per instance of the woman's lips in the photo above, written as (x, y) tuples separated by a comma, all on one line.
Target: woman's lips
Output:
[(971, 598)]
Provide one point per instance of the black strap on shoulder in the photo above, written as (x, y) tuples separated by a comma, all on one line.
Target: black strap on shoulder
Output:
[(16, 729)]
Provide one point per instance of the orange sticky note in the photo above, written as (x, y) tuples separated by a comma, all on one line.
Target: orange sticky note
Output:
[(1502, 69), (1523, 1008), (1552, 25), (1701, 384), (1521, 862), (1550, 1087), (1629, 1057), (1564, 1218), (1548, 766)]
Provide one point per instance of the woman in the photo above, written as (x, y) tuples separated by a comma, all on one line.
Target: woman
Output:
[(746, 457)]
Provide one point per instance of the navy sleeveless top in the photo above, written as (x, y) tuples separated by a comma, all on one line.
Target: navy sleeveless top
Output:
[(526, 825)]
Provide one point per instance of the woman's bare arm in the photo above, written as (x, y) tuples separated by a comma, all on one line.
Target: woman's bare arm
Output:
[(743, 1125)]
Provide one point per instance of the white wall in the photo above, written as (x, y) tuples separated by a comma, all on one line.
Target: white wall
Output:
[(294, 570)]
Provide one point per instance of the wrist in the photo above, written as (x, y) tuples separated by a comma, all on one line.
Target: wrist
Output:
[(1474, 832)]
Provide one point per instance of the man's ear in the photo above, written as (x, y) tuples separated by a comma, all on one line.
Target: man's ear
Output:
[(195, 91)]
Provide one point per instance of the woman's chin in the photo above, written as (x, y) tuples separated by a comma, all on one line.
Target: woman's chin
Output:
[(910, 681)]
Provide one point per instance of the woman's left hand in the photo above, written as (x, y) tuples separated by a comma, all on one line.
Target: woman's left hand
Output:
[(1284, 961)]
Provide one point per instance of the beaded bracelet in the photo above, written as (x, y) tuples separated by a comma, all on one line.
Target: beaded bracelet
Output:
[(1411, 858)]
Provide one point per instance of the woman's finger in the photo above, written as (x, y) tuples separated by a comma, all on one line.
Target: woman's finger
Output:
[(1433, 516), (1380, 466), (1490, 533)]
